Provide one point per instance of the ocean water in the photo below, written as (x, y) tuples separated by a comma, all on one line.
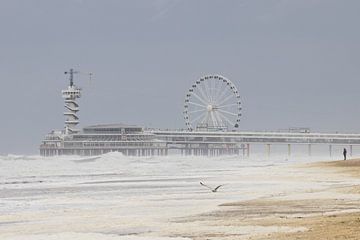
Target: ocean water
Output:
[(119, 197)]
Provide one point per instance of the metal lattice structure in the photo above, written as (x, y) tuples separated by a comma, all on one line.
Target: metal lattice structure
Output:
[(212, 103)]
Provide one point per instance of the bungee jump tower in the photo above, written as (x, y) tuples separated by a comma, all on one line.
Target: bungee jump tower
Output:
[(70, 95)]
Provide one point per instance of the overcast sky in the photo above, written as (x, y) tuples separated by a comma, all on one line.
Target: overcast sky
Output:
[(295, 63)]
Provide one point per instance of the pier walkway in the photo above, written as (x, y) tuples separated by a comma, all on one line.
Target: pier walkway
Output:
[(219, 143)]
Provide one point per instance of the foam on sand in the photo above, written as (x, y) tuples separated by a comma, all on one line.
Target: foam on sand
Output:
[(87, 236)]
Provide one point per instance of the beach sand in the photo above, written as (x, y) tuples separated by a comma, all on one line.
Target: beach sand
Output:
[(333, 213), (122, 198)]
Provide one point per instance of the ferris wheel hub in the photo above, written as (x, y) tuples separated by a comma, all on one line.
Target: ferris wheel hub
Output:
[(209, 107)]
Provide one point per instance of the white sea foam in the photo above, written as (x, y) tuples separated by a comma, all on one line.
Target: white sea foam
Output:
[(119, 197)]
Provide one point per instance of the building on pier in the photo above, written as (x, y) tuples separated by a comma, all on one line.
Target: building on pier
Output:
[(99, 139)]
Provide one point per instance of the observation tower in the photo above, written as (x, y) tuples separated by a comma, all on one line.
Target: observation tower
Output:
[(70, 95)]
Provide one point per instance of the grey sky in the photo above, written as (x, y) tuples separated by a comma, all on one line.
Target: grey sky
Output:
[(296, 63)]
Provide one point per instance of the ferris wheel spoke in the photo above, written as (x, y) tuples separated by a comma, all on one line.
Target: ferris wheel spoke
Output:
[(218, 86), (226, 119), (206, 118), (210, 121), (213, 88), (219, 118), (226, 99), (222, 95), (206, 87), (218, 92), (228, 105), (216, 89), (204, 95), (214, 119), (223, 111), (200, 110), (198, 117), (196, 104), (203, 92), (200, 99)]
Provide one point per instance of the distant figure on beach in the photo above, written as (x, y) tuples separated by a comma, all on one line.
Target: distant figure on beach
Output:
[(344, 153)]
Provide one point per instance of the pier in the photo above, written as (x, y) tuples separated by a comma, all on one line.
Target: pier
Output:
[(231, 143), (212, 111), (134, 141)]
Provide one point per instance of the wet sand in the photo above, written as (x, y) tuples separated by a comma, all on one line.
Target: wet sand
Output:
[(332, 213)]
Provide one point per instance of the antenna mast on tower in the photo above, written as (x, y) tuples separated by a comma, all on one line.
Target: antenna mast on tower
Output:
[(71, 78)]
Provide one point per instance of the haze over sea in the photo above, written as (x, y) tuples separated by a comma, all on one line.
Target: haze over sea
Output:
[(118, 197)]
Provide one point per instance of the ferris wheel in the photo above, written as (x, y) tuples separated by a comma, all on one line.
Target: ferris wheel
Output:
[(212, 103)]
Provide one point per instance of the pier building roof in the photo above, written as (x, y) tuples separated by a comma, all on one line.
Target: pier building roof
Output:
[(112, 128)]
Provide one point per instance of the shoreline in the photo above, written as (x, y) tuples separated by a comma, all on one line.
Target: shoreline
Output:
[(330, 213), (289, 200)]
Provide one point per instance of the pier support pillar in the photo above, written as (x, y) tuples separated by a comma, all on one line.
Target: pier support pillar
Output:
[(248, 150), (351, 150), (330, 150), (289, 150), (268, 150), (309, 150)]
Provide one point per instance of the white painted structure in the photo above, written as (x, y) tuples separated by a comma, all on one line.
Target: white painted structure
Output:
[(70, 95), (212, 104)]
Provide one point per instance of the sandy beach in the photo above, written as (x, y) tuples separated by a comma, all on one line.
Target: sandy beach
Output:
[(331, 213), (116, 197)]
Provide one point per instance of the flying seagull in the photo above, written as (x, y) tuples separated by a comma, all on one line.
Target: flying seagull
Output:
[(212, 189)]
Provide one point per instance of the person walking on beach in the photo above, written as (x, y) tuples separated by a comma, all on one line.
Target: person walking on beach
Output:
[(344, 153)]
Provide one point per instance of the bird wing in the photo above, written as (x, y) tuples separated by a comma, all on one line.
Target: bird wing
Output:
[(205, 185), (218, 187)]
